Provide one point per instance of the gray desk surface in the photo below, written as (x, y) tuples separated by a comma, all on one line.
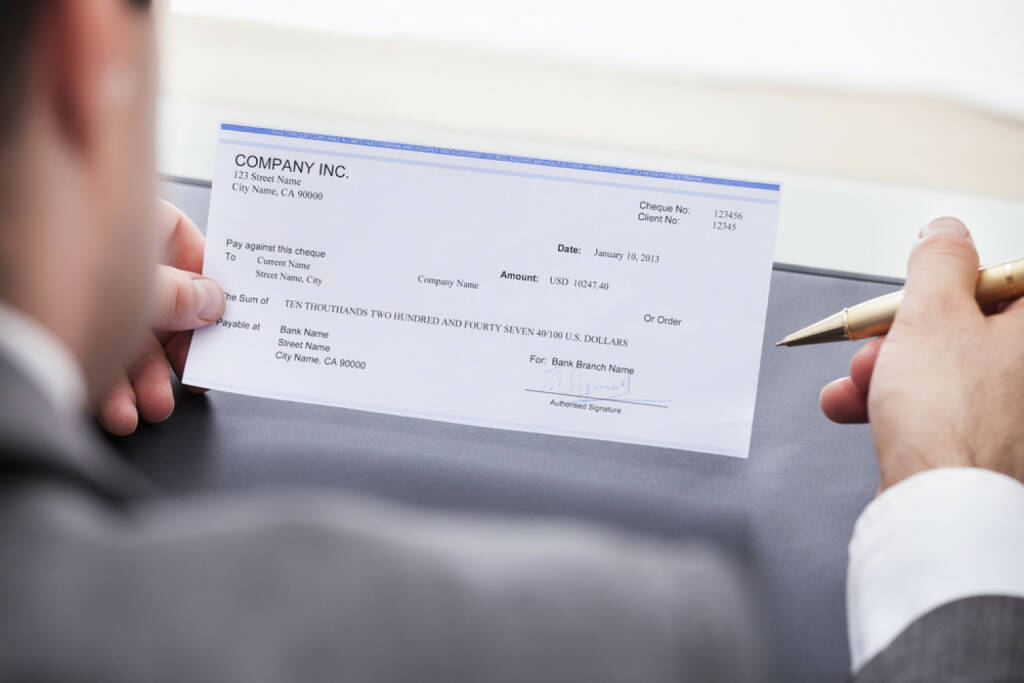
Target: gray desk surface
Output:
[(788, 510)]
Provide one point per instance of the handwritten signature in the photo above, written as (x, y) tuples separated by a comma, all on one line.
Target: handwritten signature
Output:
[(585, 387)]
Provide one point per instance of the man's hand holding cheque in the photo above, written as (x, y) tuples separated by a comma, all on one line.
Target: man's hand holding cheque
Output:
[(182, 300)]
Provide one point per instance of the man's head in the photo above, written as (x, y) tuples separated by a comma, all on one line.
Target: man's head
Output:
[(77, 170)]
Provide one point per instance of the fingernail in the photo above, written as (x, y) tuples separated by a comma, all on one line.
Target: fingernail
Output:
[(945, 226), (209, 299)]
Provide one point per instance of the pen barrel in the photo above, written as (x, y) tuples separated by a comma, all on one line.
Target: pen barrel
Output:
[(1001, 282), (995, 283), (873, 317)]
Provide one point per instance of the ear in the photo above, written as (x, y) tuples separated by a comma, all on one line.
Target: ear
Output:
[(80, 38)]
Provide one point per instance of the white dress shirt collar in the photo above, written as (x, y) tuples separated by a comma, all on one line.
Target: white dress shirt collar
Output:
[(43, 358)]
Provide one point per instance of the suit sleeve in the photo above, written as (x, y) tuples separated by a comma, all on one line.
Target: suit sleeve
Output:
[(922, 556), (972, 640)]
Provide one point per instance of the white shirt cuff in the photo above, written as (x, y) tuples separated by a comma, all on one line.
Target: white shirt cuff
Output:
[(933, 538)]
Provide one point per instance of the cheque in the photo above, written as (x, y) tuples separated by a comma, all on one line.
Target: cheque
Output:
[(567, 298)]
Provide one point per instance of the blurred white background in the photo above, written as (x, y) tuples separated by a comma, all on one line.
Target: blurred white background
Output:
[(969, 52), (875, 116)]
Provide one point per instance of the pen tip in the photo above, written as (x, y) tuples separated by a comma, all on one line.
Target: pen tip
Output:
[(781, 343)]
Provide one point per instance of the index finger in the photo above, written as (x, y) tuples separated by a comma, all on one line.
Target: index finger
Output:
[(185, 244)]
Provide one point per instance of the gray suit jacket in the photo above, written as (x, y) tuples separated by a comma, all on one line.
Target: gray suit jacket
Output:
[(974, 640), (100, 581)]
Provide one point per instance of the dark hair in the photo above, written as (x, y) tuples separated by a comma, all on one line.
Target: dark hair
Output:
[(16, 27), (18, 20)]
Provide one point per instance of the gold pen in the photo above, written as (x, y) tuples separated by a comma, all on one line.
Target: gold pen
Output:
[(874, 317)]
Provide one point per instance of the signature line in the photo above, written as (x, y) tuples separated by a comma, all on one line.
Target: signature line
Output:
[(595, 398)]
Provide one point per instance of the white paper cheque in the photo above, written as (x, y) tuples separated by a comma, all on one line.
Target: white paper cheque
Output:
[(486, 289)]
